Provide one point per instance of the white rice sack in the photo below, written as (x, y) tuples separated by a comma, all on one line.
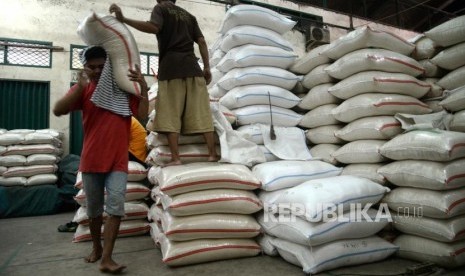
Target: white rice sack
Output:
[(421, 249), (424, 174), (344, 226), (261, 114), (7, 139), (319, 116), (367, 37), (369, 171), (247, 34), (127, 228), (458, 122), (216, 92), (377, 104), (313, 58), (310, 199), (13, 181), (209, 226), (335, 254), (374, 60), (156, 195), (285, 174), (436, 91), (216, 76), (78, 184), (324, 135), (433, 104), (299, 88), (27, 171), (323, 152), (155, 139), (32, 149), (431, 69), (42, 179), (317, 76), (212, 201), (258, 75), (269, 156), (425, 48), (2, 170), (21, 131), (155, 214), (132, 211), (40, 138), (258, 94), (448, 33), (441, 230), (42, 159), (188, 154), (2, 150), (256, 55), (134, 191), (454, 100), (136, 171), (118, 41), (370, 128), (360, 151), (2, 131), (433, 145), (228, 114), (175, 180), (451, 58), (377, 81), (215, 57), (203, 250), (256, 16), (453, 80), (264, 241), (252, 133), (428, 203), (12, 160), (318, 96)]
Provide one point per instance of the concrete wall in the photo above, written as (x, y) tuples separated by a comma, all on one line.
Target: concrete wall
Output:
[(57, 21)]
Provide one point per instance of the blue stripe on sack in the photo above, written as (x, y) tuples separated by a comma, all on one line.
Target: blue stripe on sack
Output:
[(297, 175), (268, 56), (266, 96), (267, 112), (265, 38), (261, 74)]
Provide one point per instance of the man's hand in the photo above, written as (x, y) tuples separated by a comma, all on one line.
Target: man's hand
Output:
[(117, 11), (136, 75), (83, 78), (207, 75)]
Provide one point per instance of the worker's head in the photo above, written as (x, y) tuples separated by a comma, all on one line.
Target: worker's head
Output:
[(93, 59), (159, 1)]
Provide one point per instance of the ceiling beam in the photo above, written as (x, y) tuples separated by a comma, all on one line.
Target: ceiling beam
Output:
[(443, 6)]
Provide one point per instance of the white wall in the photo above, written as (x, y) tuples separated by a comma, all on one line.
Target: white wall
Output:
[(57, 21)]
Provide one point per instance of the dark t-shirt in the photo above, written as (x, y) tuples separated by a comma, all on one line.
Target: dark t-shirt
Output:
[(178, 32)]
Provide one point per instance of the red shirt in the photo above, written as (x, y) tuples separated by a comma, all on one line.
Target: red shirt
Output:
[(106, 135)]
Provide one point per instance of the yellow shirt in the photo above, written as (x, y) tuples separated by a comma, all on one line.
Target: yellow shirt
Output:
[(137, 140)]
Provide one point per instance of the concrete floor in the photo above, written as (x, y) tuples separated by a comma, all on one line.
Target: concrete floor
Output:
[(33, 246)]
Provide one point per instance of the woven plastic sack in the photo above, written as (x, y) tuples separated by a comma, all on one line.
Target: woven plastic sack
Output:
[(458, 122), (188, 154), (454, 100), (318, 96), (261, 114), (448, 33), (319, 116), (317, 76), (323, 152), (451, 58), (132, 211), (370, 128), (453, 80), (369, 171), (324, 135), (134, 191), (303, 65), (425, 47), (127, 228), (360, 151)]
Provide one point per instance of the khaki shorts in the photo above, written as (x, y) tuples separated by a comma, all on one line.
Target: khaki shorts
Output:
[(183, 106)]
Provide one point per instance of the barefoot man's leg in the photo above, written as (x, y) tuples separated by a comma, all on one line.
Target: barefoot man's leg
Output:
[(174, 148), (109, 237), (210, 140), (95, 226)]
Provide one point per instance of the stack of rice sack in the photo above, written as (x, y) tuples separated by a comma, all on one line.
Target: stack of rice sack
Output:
[(318, 225), (203, 212), (429, 202), (192, 148), (317, 104), (253, 81), (29, 157), (134, 222), (450, 36), (377, 79)]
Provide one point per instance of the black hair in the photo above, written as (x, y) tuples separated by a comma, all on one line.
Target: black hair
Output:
[(95, 52), (174, 1)]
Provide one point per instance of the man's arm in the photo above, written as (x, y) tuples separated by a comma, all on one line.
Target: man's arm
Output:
[(203, 49), (143, 26), (143, 110), (63, 105)]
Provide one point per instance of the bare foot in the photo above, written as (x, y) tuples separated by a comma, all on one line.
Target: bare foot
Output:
[(214, 158), (111, 267), (172, 163), (94, 256)]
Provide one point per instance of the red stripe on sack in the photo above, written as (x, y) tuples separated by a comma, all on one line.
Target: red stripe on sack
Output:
[(401, 103), (126, 46), (134, 230), (458, 252), (460, 233), (400, 81), (184, 155), (209, 182), (456, 146), (214, 200), (398, 61), (389, 125), (452, 178), (210, 249), (394, 35), (136, 214), (187, 231), (454, 204)]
